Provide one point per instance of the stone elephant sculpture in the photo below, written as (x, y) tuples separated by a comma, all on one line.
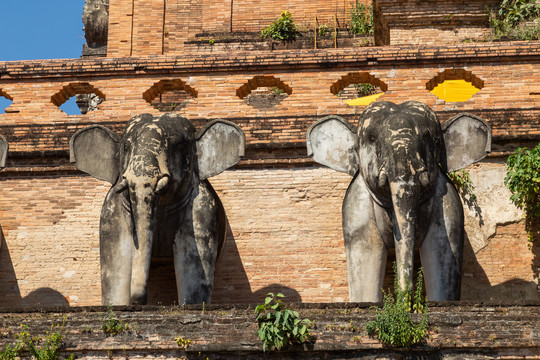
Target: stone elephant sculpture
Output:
[(160, 201), (96, 22), (3, 156), (400, 196)]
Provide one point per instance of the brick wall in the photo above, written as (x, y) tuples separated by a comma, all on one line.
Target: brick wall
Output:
[(434, 22), (162, 26), (155, 27), (283, 212)]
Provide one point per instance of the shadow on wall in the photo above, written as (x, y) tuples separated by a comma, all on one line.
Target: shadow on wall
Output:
[(231, 284), (477, 286), (10, 295)]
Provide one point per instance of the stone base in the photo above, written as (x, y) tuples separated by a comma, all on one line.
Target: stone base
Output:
[(457, 331)]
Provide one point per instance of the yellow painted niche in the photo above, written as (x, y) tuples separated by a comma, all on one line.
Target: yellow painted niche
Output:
[(364, 100), (455, 90)]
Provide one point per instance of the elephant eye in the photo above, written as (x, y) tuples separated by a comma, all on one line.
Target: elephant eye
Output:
[(372, 137), (126, 148), (178, 145)]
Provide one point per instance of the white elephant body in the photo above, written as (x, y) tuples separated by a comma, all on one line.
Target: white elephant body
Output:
[(400, 197)]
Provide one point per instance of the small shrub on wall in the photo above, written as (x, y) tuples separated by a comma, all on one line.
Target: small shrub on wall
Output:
[(516, 20), (393, 324), (283, 28), (280, 326), (361, 19)]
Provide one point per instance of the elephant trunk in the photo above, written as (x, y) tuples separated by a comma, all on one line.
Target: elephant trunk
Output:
[(406, 181), (143, 197), (404, 201)]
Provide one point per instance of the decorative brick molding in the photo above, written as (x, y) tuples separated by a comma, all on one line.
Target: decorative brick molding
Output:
[(73, 89), (455, 74), (357, 78), (262, 81), (163, 86)]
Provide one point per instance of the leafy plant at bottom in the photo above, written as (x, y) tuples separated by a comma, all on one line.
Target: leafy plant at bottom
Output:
[(523, 181), (280, 326), (182, 342), (111, 325), (283, 28), (11, 352), (45, 348), (393, 324)]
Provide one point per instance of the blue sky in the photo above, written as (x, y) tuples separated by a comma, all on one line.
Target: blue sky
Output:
[(40, 29)]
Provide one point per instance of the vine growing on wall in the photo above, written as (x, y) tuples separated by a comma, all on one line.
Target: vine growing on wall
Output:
[(462, 181), (523, 181)]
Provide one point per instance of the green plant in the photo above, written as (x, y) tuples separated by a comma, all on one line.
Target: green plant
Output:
[(111, 325), (515, 11), (211, 41), (11, 352), (323, 30), (277, 91), (510, 21), (280, 326), (365, 89), (393, 323), (40, 348), (283, 28), (523, 181), (182, 342), (361, 19)]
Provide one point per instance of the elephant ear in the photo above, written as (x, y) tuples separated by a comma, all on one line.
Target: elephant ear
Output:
[(94, 150), (220, 144), (467, 139), (331, 141), (3, 151)]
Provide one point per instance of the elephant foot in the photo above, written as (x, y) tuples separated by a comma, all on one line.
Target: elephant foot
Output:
[(139, 298)]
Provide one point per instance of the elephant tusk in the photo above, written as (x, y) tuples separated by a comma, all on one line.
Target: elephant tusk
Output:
[(383, 178), (162, 184), (122, 185)]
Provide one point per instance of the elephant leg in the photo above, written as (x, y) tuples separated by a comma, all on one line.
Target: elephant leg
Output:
[(115, 245), (364, 245), (196, 246), (441, 252)]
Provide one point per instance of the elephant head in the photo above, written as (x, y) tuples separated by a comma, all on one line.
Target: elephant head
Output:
[(397, 154), (158, 170)]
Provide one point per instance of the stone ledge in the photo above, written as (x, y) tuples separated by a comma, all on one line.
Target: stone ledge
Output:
[(230, 331), (261, 60)]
